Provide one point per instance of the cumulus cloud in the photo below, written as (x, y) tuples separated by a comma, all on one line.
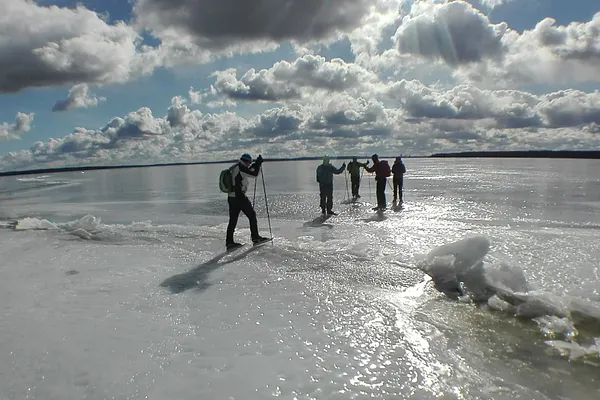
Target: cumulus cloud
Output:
[(508, 109), (461, 37), (293, 80), (316, 72), (47, 46), (252, 86), (568, 108), (140, 137), (429, 119), (194, 96), (412, 117), (21, 125), (139, 124), (550, 54), (78, 97), (489, 4), (219, 24), (454, 32)]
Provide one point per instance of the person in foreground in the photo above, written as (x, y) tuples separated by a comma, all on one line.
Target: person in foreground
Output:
[(238, 201), (382, 172), (325, 173), (354, 170), (398, 169)]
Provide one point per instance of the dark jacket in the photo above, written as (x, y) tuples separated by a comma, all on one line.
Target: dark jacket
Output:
[(380, 168), (325, 173), (354, 167), (398, 168)]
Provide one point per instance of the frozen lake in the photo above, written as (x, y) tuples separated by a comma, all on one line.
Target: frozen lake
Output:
[(115, 285)]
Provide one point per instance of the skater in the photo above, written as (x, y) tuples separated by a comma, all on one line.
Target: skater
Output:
[(325, 173), (382, 172), (354, 170), (398, 170), (239, 202)]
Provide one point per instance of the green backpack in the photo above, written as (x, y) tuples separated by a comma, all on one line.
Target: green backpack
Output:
[(226, 180)]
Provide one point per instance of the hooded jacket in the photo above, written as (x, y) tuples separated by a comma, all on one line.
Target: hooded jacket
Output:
[(398, 168), (240, 174)]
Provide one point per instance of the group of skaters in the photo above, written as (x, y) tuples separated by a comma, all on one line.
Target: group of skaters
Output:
[(382, 171), (237, 184)]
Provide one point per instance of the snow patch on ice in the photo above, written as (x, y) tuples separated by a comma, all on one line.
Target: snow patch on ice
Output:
[(459, 271)]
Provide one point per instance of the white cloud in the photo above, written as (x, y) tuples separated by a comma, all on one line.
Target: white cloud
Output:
[(303, 78), (510, 108), (550, 54), (454, 32), (568, 108), (78, 97), (194, 96), (252, 86), (21, 125), (422, 120), (507, 109), (490, 4), (46, 46), (460, 36)]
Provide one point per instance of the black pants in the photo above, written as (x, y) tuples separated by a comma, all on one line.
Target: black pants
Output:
[(355, 185), (237, 205), (381, 202), (398, 183), (326, 192)]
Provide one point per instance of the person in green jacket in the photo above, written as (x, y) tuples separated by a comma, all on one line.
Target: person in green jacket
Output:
[(354, 170), (325, 173)]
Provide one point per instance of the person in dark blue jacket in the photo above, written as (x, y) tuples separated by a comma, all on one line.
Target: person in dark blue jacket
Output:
[(398, 170), (325, 173)]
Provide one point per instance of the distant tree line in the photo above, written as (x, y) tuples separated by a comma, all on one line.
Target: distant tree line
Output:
[(584, 154)]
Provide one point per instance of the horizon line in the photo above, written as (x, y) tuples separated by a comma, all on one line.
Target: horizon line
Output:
[(579, 154)]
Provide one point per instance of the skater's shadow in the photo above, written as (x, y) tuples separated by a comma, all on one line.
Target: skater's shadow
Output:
[(197, 277), (318, 222), (397, 207), (354, 202), (378, 216), (348, 201)]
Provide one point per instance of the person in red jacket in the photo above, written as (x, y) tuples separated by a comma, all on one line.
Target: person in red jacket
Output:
[(382, 172)]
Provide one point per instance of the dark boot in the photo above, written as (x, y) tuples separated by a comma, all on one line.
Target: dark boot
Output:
[(260, 240), (233, 246)]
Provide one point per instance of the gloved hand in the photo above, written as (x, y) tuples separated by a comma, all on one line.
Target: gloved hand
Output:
[(367, 163), (344, 165)]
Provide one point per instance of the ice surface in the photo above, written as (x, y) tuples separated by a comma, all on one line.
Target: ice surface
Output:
[(117, 286)]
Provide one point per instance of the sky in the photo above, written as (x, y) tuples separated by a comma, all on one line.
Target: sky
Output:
[(115, 82)]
